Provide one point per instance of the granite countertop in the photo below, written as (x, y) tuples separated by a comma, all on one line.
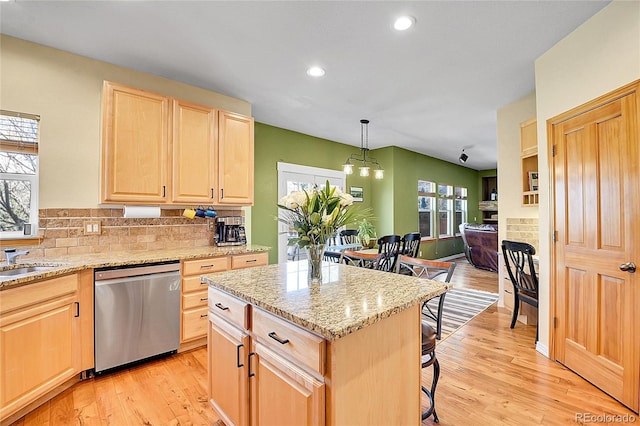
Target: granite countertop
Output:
[(68, 264), (348, 299)]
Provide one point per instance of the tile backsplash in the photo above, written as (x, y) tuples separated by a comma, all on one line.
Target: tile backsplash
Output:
[(524, 230), (62, 231)]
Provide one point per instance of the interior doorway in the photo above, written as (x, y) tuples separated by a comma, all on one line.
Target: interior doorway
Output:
[(295, 177)]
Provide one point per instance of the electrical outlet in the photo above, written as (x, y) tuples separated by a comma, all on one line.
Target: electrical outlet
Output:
[(420, 253), (92, 227)]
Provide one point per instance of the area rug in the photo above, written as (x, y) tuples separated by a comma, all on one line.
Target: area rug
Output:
[(460, 306)]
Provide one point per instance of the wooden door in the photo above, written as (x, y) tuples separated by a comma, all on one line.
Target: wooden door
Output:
[(135, 145), (282, 394), (194, 153), (235, 175), (39, 351), (228, 387), (596, 183)]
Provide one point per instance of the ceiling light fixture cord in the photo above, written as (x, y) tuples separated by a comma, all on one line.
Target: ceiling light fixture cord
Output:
[(362, 157)]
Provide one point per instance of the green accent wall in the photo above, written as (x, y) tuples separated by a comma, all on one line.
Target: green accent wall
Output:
[(394, 199)]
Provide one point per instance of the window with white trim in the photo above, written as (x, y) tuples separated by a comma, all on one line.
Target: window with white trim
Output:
[(426, 208), (460, 204), (19, 135), (445, 210)]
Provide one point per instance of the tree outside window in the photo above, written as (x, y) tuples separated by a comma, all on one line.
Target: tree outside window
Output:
[(18, 174), (460, 203), (445, 210)]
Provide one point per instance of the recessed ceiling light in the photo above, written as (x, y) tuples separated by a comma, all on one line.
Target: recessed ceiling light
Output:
[(404, 23), (315, 71)]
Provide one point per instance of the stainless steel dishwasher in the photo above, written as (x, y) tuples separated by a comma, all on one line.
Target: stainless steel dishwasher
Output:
[(137, 313)]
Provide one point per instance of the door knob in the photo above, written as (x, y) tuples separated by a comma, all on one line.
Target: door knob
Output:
[(628, 267)]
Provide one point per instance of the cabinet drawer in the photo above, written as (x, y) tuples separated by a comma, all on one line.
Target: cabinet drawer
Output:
[(288, 339), (194, 300), (205, 266), (226, 306), (194, 323), (38, 292), (193, 284), (240, 261)]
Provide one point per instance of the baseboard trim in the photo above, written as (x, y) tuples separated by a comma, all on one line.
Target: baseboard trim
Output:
[(448, 258), (543, 349)]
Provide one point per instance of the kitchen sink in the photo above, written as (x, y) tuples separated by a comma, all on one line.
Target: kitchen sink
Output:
[(25, 270)]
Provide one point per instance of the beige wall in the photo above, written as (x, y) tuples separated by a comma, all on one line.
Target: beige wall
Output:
[(66, 91), (509, 166), (598, 57)]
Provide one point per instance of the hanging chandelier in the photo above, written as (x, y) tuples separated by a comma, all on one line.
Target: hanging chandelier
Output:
[(364, 161)]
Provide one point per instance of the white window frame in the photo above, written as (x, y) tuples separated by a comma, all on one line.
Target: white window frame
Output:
[(28, 148), (448, 199), (431, 194)]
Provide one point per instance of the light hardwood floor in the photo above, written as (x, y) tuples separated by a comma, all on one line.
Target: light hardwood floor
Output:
[(490, 375)]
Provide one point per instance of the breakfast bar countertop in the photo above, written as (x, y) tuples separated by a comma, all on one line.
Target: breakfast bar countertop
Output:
[(74, 263), (348, 299)]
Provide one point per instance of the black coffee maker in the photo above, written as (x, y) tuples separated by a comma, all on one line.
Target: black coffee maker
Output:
[(230, 231)]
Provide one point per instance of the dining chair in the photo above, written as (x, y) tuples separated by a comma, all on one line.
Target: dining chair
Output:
[(389, 248), (360, 259), (411, 244), (349, 236), (432, 270), (518, 258), (331, 256)]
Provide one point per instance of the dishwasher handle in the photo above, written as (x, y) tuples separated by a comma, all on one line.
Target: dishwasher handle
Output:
[(110, 274)]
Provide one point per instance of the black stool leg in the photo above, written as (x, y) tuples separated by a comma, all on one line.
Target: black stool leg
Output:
[(431, 393)]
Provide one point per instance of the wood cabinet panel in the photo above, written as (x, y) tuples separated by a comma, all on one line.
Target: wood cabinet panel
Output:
[(195, 299), (40, 343), (228, 377), (135, 145), (194, 149), (240, 261), (194, 323), (228, 307), (235, 175), (205, 266), (304, 347), (282, 393)]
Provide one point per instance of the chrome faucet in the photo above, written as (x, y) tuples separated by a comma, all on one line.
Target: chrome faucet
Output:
[(11, 255)]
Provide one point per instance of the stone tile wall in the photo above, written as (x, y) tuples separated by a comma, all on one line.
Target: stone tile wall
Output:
[(62, 231), (524, 230)]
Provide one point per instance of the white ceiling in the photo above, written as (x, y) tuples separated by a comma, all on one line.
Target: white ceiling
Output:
[(433, 89)]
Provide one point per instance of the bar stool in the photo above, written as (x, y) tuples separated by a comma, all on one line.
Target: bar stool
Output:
[(428, 359)]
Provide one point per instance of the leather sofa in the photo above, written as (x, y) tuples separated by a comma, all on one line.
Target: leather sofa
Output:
[(481, 245)]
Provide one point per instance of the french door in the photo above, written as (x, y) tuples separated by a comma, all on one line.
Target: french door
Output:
[(596, 182), (294, 177)]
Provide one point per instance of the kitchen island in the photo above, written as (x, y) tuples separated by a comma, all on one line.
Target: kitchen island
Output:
[(342, 352)]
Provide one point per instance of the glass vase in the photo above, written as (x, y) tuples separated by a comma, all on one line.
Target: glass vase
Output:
[(315, 253)]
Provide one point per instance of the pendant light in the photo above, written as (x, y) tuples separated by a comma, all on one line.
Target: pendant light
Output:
[(365, 162)]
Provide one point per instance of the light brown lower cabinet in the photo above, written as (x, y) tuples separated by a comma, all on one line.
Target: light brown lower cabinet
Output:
[(283, 393), (292, 376), (42, 326), (194, 293)]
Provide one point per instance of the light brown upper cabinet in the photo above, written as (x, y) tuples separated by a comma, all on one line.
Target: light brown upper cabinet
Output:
[(235, 176), (135, 145), (194, 153), (160, 150)]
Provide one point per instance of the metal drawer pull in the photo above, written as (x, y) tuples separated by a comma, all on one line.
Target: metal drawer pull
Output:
[(251, 261), (204, 316), (77, 314), (238, 363), (203, 299), (275, 337), (206, 266), (249, 369), (219, 306)]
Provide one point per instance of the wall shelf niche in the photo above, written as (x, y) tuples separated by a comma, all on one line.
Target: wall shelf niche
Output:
[(529, 160)]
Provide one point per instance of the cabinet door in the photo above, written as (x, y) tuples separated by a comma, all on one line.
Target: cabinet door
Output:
[(38, 351), (228, 381), (135, 145), (194, 153), (235, 176), (282, 393)]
